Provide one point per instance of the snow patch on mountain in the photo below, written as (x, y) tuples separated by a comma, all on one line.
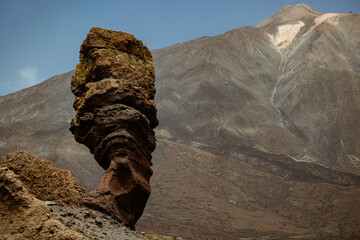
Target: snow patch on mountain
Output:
[(285, 35)]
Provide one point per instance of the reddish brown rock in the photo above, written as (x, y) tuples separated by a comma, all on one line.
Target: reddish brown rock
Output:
[(115, 116)]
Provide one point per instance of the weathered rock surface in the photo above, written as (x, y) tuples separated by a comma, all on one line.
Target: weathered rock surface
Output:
[(43, 180), (97, 225), (115, 116), (23, 216)]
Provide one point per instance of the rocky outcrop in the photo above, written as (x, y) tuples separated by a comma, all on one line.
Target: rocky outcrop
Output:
[(43, 180), (23, 216), (115, 116)]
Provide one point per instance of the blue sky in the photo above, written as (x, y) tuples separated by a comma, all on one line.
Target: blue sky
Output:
[(41, 38)]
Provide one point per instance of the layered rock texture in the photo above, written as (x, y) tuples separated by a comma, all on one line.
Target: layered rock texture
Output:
[(22, 214), (43, 180), (114, 85), (258, 131)]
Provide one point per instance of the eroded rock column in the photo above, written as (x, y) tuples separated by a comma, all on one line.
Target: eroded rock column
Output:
[(114, 87)]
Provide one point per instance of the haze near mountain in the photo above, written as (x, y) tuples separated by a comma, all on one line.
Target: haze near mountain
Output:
[(258, 134)]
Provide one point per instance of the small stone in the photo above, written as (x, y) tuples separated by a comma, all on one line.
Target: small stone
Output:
[(49, 203), (21, 230), (93, 214), (98, 222)]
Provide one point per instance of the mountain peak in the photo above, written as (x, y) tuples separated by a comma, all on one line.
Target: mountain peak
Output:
[(304, 7), (289, 14), (299, 7)]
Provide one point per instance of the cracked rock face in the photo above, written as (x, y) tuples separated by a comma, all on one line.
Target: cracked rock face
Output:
[(43, 180), (23, 216), (115, 115)]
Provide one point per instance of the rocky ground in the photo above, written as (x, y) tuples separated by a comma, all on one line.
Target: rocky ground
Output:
[(96, 225), (40, 202)]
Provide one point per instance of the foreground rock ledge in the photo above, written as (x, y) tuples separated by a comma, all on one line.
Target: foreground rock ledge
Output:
[(23, 216), (114, 88), (45, 181)]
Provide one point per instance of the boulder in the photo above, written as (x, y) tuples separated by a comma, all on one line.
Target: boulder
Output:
[(23, 216), (43, 180)]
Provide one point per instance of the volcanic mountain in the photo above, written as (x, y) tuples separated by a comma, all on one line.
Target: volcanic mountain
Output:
[(258, 133), (289, 85)]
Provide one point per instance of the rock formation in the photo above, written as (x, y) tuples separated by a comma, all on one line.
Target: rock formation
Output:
[(23, 216), (115, 116), (220, 94), (43, 180)]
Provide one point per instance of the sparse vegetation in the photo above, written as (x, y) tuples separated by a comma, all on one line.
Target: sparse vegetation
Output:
[(80, 230), (162, 237)]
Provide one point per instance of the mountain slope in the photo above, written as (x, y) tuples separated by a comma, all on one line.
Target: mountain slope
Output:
[(287, 86), (37, 120), (258, 130), (201, 195)]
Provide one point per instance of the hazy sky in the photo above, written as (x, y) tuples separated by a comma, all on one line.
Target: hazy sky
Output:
[(41, 38)]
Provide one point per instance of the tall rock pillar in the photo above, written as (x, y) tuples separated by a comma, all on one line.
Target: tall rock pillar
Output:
[(114, 88)]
